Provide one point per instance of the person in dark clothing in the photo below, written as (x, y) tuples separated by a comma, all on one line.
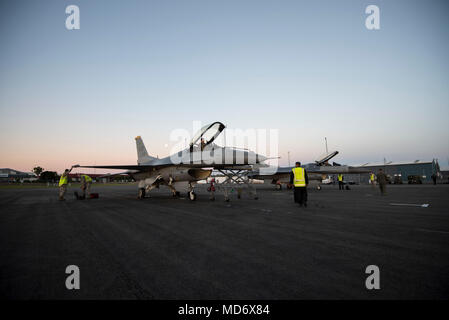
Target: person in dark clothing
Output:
[(203, 144), (300, 180), (434, 178), (382, 181)]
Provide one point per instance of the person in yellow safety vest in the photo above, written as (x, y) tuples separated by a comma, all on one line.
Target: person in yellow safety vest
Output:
[(340, 182), (86, 183), (300, 180), (63, 181), (372, 178)]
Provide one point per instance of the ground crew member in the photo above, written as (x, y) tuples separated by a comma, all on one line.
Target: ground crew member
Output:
[(434, 178), (203, 144), (340, 182), (86, 183), (63, 181), (382, 181), (300, 180), (372, 177)]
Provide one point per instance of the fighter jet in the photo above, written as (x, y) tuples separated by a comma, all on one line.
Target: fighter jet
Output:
[(316, 171), (182, 170)]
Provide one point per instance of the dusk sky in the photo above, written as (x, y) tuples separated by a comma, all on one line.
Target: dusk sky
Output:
[(310, 69)]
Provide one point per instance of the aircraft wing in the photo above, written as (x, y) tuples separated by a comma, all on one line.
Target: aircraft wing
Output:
[(110, 175), (121, 167), (148, 167)]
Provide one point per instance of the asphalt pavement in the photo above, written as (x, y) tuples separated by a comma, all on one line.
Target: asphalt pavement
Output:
[(166, 248)]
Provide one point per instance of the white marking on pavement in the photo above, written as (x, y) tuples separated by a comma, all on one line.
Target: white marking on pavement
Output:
[(424, 205), (434, 231)]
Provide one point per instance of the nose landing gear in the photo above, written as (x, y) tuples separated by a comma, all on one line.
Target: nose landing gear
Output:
[(141, 193), (191, 195)]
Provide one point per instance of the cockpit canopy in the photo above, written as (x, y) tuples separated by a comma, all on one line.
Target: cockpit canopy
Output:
[(208, 133)]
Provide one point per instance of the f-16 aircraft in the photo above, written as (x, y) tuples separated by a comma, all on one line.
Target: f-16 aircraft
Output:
[(316, 171), (181, 171)]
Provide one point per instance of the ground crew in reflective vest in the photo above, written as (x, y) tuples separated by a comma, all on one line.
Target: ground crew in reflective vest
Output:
[(63, 181), (372, 177), (300, 180), (340, 182), (86, 183)]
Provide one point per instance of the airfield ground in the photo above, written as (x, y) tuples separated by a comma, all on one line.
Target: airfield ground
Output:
[(164, 248)]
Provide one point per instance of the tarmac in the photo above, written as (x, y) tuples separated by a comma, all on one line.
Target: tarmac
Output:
[(166, 248)]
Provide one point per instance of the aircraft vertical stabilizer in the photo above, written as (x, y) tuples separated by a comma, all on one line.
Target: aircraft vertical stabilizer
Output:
[(142, 154)]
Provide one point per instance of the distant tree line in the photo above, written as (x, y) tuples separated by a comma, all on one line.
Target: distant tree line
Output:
[(49, 176)]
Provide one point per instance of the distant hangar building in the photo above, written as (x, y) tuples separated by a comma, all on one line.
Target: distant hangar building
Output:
[(401, 170), (11, 175)]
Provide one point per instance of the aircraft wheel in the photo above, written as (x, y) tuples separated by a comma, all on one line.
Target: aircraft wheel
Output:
[(141, 193), (192, 196), (318, 187)]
